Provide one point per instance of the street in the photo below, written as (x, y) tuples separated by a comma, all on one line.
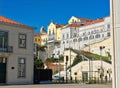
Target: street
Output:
[(60, 86)]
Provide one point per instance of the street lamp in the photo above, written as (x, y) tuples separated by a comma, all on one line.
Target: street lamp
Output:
[(66, 68), (70, 61), (59, 64), (101, 68)]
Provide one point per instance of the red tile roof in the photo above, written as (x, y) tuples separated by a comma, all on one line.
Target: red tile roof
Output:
[(59, 25), (9, 21), (73, 25), (50, 64), (39, 34), (85, 19), (94, 22), (6, 20), (86, 23)]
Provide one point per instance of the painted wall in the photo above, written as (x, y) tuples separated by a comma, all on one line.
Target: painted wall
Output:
[(27, 53)]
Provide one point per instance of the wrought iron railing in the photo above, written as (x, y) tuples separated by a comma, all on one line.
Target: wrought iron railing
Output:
[(8, 49)]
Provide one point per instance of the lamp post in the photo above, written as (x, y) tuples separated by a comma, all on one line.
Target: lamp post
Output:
[(89, 64), (70, 61), (66, 68), (101, 67), (59, 64)]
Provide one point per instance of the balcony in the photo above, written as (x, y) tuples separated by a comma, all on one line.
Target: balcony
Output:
[(6, 51), (51, 38)]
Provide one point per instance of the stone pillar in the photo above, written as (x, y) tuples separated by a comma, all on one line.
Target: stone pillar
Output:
[(115, 27)]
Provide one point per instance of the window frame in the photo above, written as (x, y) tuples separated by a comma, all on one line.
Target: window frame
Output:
[(23, 75), (22, 39)]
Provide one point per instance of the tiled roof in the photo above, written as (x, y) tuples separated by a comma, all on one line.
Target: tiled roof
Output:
[(39, 34), (9, 21), (86, 23), (6, 20), (84, 19), (59, 25), (94, 22), (50, 64), (73, 25)]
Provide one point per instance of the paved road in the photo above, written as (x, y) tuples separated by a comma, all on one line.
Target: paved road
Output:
[(60, 86)]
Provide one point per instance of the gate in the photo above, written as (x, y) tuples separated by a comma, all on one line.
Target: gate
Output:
[(85, 76)]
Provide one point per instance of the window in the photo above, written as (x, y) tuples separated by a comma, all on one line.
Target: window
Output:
[(39, 40), (97, 36), (67, 35), (35, 39), (80, 39), (21, 67), (53, 32), (85, 38), (108, 34), (92, 32), (3, 39), (49, 32), (74, 40), (108, 26), (91, 37), (63, 36), (22, 41), (72, 20)]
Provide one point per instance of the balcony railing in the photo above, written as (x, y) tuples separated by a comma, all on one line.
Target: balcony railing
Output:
[(51, 37), (8, 49)]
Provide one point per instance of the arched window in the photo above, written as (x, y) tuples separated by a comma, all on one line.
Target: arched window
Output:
[(97, 36), (91, 37), (74, 40), (63, 42), (85, 38), (80, 39)]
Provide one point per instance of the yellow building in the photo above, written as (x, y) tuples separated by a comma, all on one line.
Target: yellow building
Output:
[(54, 31), (54, 37), (41, 38)]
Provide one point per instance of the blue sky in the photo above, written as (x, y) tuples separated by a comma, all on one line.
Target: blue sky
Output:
[(39, 13)]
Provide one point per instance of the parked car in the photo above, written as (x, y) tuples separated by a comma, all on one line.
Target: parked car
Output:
[(56, 78)]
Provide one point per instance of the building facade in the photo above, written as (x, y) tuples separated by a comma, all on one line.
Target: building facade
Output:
[(86, 69), (54, 38), (84, 34), (16, 52), (40, 38)]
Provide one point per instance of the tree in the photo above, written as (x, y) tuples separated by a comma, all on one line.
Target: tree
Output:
[(77, 60), (38, 63)]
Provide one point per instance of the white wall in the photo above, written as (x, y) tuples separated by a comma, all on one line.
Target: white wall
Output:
[(12, 60)]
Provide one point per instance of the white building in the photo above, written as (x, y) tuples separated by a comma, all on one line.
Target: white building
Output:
[(16, 52), (82, 34), (87, 68)]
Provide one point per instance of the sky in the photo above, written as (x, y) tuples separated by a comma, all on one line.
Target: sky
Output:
[(39, 13)]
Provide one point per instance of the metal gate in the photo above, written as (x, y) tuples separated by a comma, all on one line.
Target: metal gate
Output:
[(2, 70), (85, 76)]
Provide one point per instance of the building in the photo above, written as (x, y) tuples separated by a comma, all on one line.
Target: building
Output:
[(74, 19), (40, 41), (54, 38), (87, 68), (16, 52), (83, 34), (40, 38)]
